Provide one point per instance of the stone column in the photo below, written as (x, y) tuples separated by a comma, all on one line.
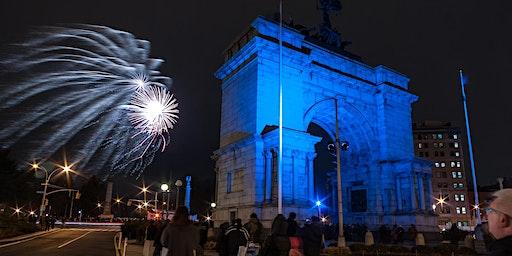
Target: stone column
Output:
[(268, 175), (187, 192), (310, 174), (430, 192), (414, 201), (421, 192), (398, 193)]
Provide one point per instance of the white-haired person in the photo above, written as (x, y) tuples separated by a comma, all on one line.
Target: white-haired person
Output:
[(499, 218)]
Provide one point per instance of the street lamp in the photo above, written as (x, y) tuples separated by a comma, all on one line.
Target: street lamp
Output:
[(165, 189), (318, 204), (338, 147), (48, 175), (178, 184), (213, 205)]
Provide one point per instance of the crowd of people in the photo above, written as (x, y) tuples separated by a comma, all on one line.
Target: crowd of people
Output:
[(182, 237)]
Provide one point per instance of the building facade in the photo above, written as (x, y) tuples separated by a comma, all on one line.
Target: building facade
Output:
[(382, 180), (441, 143)]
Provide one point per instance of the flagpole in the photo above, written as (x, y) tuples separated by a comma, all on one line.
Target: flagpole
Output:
[(280, 157), (470, 149)]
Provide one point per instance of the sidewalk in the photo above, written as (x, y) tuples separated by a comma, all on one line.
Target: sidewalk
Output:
[(27, 236), (133, 249)]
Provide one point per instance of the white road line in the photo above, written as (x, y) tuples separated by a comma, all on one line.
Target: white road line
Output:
[(26, 240), (72, 240)]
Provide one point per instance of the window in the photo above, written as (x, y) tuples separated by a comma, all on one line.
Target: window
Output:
[(420, 145), (434, 136), (443, 164), (462, 199), (458, 164), (441, 145), (456, 145), (436, 164), (463, 210), (454, 175), (457, 209), (358, 200), (436, 153), (461, 185), (459, 175), (229, 182), (457, 153), (455, 136), (435, 145), (454, 185), (440, 136), (456, 197), (452, 164)]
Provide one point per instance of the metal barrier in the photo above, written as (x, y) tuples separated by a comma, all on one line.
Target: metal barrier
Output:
[(120, 251)]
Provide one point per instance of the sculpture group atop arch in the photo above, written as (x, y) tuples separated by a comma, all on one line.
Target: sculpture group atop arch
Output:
[(382, 181)]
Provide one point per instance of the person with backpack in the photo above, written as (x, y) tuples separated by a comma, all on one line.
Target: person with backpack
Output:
[(236, 236)]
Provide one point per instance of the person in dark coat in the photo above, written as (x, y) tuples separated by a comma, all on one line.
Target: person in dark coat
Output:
[(499, 215), (312, 237), (293, 227), (255, 228), (181, 237), (221, 240), (236, 236), (277, 243)]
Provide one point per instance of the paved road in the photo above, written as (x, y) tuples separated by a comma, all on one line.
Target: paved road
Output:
[(66, 242)]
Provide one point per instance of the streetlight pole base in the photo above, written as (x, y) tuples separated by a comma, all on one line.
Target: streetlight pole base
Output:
[(341, 242)]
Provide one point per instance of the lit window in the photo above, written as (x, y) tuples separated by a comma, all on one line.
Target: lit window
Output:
[(455, 136), (461, 185), (440, 136), (457, 154), (419, 145), (436, 164), (463, 210), (441, 145), (443, 164), (434, 136), (452, 164), (459, 175), (454, 175), (458, 164), (454, 185), (456, 145), (462, 199), (456, 197), (229, 182), (457, 210)]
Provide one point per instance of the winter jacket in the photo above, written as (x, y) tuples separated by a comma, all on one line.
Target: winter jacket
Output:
[(501, 247), (235, 237), (312, 239), (181, 240)]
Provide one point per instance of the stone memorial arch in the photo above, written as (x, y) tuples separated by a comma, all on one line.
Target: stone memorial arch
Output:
[(382, 181)]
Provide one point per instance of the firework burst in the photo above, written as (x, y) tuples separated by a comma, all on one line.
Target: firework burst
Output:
[(90, 90)]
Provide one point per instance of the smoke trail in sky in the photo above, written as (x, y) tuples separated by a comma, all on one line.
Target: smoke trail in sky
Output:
[(89, 90)]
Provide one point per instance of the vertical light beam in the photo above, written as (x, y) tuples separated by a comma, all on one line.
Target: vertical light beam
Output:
[(280, 165), (470, 145)]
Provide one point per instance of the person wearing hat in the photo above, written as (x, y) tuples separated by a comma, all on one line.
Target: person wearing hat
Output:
[(499, 218)]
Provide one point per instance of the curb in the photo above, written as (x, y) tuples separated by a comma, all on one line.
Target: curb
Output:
[(27, 236)]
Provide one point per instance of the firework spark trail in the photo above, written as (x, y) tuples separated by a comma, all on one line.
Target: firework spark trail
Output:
[(89, 90)]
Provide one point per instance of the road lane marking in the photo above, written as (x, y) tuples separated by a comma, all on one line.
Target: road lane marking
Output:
[(28, 239), (72, 240)]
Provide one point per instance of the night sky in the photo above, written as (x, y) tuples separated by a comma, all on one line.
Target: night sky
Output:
[(426, 40)]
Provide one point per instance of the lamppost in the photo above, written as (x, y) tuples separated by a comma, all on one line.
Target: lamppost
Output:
[(339, 146), (165, 189), (48, 175), (178, 184)]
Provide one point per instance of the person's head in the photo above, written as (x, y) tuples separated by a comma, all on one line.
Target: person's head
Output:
[(181, 216), (253, 216), (499, 214), (237, 222), (292, 216)]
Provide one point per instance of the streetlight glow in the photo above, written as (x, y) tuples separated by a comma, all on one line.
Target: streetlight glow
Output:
[(164, 187), (35, 166), (213, 205), (318, 203), (32, 212), (99, 205)]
